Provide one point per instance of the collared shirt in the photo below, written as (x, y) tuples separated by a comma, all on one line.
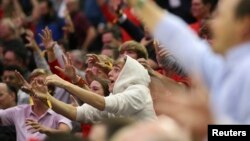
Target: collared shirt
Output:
[(17, 116), (227, 78)]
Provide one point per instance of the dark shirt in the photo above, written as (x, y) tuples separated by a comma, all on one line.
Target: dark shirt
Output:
[(7, 133), (81, 25)]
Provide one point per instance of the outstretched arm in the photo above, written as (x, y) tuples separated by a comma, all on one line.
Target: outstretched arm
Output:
[(175, 35), (88, 97)]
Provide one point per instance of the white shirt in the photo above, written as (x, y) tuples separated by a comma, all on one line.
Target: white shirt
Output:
[(130, 98), (228, 78)]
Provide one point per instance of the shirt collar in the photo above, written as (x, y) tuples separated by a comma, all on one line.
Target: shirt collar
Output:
[(238, 52), (30, 111)]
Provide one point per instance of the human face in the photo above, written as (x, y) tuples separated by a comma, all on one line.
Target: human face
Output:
[(33, 79), (224, 26), (107, 52), (6, 100), (44, 8), (71, 5), (114, 73), (10, 59), (98, 72), (130, 53), (96, 87), (107, 38), (199, 10), (10, 78), (5, 31)]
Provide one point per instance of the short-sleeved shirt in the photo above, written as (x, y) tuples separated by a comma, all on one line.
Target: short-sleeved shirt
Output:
[(17, 116)]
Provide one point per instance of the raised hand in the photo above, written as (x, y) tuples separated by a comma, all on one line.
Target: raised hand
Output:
[(92, 59), (35, 126), (47, 39), (25, 86), (89, 75), (69, 70), (55, 81), (32, 43)]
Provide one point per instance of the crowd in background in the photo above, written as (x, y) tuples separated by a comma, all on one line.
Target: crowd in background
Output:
[(121, 70)]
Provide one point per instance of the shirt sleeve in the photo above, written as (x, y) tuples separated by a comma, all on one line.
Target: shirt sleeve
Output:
[(64, 120), (89, 114), (40, 61), (7, 116), (59, 53), (131, 101), (194, 54)]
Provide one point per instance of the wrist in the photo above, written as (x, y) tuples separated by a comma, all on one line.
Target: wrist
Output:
[(51, 46), (47, 131), (75, 79)]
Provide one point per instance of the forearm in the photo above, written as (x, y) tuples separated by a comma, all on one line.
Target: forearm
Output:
[(51, 131), (62, 108), (90, 37), (40, 61), (193, 54), (58, 54), (51, 55), (135, 32), (88, 97)]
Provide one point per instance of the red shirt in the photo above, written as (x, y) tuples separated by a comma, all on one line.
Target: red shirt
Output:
[(111, 17), (196, 27)]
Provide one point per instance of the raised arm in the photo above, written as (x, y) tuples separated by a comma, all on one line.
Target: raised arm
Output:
[(194, 54), (37, 53), (88, 97)]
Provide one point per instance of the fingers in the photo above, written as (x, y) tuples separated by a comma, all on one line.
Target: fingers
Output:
[(29, 33), (20, 77), (41, 36), (69, 58), (65, 60)]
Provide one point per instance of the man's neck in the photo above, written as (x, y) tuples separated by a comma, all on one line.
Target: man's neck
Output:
[(39, 109)]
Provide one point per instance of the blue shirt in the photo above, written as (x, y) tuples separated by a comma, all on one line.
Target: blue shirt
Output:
[(227, 78), (56, 26)]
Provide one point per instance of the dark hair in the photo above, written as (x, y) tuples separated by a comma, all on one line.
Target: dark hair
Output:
[(13, 68), (213, 4), (12, 90), (18, 49), (243, 9), (49, 3), (104, 84), (115, 31), (140, 50)]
